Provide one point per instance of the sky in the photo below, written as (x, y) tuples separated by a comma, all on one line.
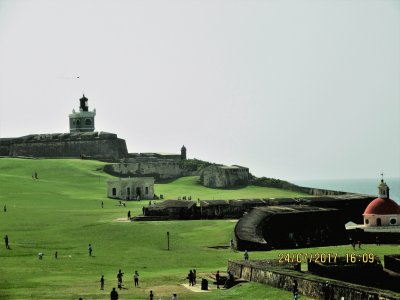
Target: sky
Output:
[(290, 89)]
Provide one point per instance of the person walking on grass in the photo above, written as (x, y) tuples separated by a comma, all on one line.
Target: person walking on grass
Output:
[(190, 277), (151, 296), (246, 255), (102, 282), (119, 277), (6, 242), (136, 278), (90, 249), (217, 278)]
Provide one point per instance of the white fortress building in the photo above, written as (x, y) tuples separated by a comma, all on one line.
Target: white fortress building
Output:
[(132, 188)]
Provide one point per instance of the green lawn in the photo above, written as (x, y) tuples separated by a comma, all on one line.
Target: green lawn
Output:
[(189, 186), (62, 212)]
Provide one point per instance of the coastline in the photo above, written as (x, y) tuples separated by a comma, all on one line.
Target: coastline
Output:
[(366, 186)]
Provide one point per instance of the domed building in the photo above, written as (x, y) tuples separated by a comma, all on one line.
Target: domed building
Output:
[(382, 211)]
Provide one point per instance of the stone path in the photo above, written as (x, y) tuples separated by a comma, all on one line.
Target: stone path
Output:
[(196, 288), (121, 220)]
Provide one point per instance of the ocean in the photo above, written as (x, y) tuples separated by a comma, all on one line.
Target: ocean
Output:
[(363, 186)]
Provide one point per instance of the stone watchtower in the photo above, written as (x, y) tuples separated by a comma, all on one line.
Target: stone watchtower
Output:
[(183, 153), (82, 121)]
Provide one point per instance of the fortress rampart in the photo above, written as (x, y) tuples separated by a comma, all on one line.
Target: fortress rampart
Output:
[(224, 176), (97, 145), (311, 286), (159, 169)]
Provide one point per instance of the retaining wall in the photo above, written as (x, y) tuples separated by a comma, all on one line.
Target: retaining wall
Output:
[(314, 288)]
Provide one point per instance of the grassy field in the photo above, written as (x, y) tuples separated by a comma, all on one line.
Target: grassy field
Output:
[(62, 212), (189, 186)]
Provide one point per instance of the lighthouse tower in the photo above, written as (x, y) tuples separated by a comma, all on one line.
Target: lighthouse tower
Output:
[(82, 121)]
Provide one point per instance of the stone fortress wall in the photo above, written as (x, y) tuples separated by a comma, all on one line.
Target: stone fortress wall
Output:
[(283, 278), (96, 145), (159, 169), (218, 176)]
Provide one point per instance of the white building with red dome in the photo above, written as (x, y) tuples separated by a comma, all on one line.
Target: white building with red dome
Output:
[(382, 211)]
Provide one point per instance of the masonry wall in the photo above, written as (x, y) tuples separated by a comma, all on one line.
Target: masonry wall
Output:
[(310, 287), (160, 170), (220, 177), (392, 262), (5, 147), (107, 146)]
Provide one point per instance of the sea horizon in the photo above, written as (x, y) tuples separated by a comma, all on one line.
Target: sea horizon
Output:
[(368, 186)]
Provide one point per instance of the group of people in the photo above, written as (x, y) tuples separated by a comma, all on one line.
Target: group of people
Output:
[(151, 296), (185, 198), (353, 243), (120, 274), (174, 296), (192, 277)]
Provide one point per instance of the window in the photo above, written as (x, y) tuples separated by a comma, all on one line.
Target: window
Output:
[(78, 122), (114, 191), (366, 221), (393, 221), (147, 190), (88, 122), (378, 222)]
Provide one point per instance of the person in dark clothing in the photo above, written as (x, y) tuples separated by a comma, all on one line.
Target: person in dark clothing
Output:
[(129, 214), (327, 291), (217, 278), (114, 294), (295, 288), (6, 241), (194, 276), (230, 281), (119, 277), (190, 277), (56, 254), (90, 249), (102, 204), (151, 296), (136, 278), (102, 282)]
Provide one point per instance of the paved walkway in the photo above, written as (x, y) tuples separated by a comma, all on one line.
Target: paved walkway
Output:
[(196, 288)]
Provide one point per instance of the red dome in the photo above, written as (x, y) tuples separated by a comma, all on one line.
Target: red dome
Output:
[(381, 206)]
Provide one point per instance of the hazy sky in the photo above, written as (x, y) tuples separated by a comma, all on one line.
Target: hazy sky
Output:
[(290, 89)]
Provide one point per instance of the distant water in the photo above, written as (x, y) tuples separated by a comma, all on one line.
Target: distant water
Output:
[(362, 186)]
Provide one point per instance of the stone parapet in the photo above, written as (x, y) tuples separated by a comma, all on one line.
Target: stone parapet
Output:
[(97, 145), (311, 286)]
